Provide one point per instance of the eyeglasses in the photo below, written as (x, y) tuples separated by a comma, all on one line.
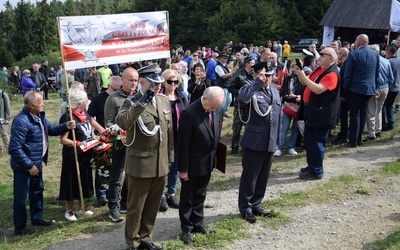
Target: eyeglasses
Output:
[(176, 82)]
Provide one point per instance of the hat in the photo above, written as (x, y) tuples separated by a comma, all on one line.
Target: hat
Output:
[(152, 73), (285, 41), (223, 53), (259, 66), (307, 53)]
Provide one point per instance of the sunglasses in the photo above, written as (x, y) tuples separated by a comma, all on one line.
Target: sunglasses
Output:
[(176, 82)]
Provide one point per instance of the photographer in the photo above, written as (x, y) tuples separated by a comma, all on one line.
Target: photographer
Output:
[(198, 83)]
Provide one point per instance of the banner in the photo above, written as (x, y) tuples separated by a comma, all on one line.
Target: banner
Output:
[(88, 41), (394, 24)]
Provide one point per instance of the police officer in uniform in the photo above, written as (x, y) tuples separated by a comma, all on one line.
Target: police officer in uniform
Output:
[(259, 141), (146, 117), (242, 77)]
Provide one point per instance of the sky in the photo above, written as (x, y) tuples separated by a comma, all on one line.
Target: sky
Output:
[(14, 3)]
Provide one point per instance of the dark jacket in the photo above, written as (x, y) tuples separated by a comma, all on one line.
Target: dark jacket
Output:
[(262, 133), (197, 141), (237, 81), (362, 71), (285, 90), (26, 141), (41, 79), (323, 109), (196, 91), (223, 83)]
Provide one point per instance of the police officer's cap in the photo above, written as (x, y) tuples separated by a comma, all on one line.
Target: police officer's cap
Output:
[(259, 66), (152, 73)]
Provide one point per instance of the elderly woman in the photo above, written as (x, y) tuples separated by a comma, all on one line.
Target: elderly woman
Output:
[(69, 189), (197, 84), (178, 102), (183, 69), (26, 83)]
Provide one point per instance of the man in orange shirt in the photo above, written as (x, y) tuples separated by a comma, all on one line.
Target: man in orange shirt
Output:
[(321, 107)]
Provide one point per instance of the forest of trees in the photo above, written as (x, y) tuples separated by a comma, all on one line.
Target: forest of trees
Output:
[(31, 29)]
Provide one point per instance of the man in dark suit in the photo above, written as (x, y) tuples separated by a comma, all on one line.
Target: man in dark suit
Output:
[(199, 132), (259, 141), (360, 83), (146, 117)]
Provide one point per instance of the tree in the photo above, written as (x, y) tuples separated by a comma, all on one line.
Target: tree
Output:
[(189, 21), (246, 21), (23, 36), (44, 28)]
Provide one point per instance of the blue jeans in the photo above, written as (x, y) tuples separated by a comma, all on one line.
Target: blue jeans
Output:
[(284, 130), (314, 140), (172, 177), (25, 184), (227, 100)]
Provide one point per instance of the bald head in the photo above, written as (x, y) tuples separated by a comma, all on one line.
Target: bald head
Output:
[(130, 79), (362, 40), (212, 98), (342, 54)]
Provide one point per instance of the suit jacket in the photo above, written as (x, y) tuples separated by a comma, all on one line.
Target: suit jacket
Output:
[(40, 81), (198, 142), (147, 156), (362, 71), (261, 133)]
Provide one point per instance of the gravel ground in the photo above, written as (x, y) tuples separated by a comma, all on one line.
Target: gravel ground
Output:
[(349, 224)]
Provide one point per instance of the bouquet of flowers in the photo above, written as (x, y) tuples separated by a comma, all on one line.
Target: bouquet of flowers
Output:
[(102, 161)]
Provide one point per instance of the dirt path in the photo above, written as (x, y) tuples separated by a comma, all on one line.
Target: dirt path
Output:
[(348, 224)]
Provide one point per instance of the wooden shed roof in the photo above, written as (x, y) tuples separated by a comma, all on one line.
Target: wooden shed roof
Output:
[(364, 14)]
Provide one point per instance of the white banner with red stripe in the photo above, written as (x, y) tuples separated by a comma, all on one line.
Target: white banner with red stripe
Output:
[(395, 16), (88, 41)]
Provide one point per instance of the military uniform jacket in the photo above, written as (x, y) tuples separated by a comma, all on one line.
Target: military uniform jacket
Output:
[(261, 133), (147, 156)]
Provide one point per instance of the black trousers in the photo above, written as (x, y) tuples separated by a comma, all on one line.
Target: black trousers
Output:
[(114, 184), (253, 181), (191, 204)]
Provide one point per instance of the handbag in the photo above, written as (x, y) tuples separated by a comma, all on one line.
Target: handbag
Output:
[(291, 109)]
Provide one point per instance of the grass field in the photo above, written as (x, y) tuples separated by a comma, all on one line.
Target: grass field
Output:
[(227, 228)]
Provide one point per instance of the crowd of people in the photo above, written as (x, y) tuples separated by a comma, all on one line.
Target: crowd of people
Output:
[(172, 117)]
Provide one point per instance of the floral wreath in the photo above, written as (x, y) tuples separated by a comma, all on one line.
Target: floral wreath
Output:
[(102, 160)]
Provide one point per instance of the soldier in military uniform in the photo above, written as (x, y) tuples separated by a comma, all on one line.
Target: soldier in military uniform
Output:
[(259, 141), (146, 117), (242, 77)]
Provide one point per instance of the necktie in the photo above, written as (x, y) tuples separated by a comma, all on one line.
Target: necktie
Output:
[(269, 94), (210, 121)]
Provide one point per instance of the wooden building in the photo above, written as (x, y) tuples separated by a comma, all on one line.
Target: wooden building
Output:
[(348, 18)]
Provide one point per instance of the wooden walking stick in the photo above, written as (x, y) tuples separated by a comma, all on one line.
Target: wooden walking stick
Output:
[(78, 173)]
